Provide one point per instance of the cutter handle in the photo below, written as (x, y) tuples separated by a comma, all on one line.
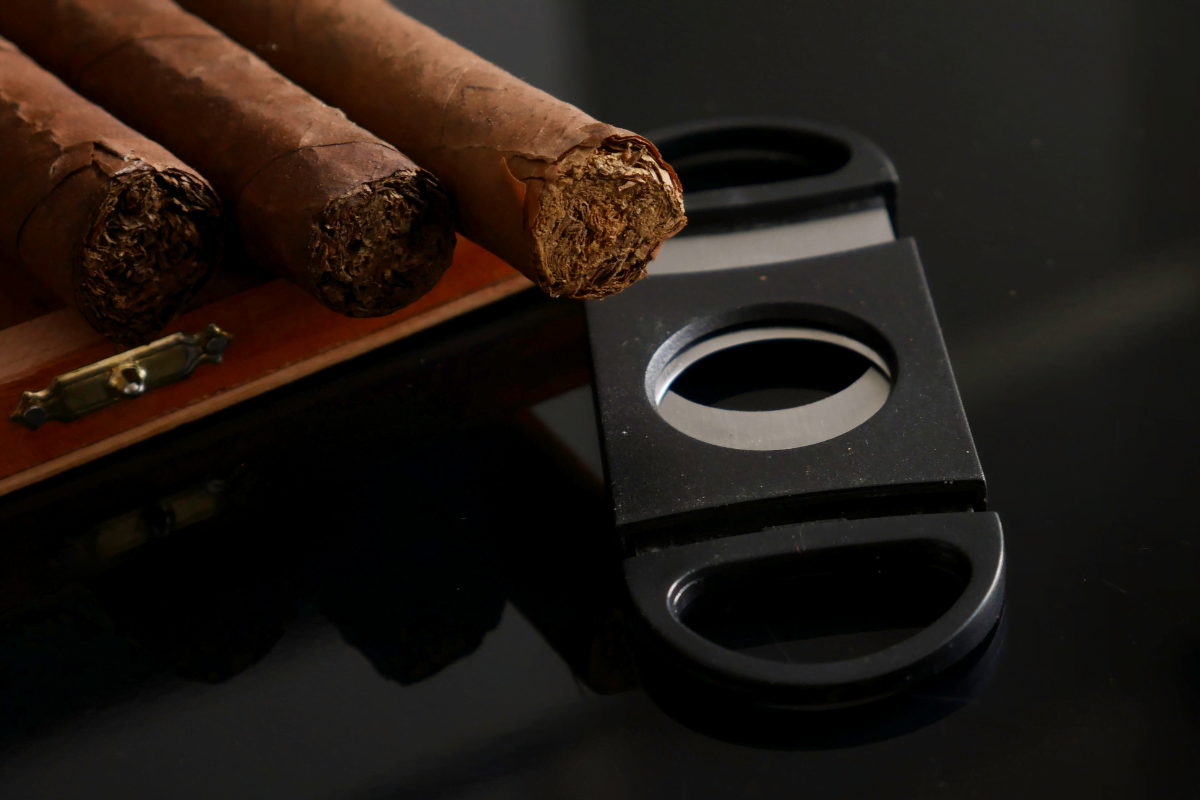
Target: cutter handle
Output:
[(664, 584)]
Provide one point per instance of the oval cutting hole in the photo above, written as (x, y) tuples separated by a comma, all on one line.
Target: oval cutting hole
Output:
[(771, 388), (752, 155), (829, 605), (770, 375)]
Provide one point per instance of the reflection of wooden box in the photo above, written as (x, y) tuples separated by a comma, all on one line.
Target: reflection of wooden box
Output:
[(280, 335)]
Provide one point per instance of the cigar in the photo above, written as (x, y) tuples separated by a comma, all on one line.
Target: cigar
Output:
[(578, 206), (317, 199), (100, 215)]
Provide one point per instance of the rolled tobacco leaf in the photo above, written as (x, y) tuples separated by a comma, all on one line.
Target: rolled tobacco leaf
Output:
[(317, 199), (580, 207), (102, 216)]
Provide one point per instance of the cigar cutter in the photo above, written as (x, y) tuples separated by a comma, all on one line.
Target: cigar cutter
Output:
[(794, 484)]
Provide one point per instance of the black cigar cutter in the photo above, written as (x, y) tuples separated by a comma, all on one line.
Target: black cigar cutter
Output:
[(782, 432)]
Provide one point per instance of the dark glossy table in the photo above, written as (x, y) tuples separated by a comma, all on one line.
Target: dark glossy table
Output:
[(410, 593)]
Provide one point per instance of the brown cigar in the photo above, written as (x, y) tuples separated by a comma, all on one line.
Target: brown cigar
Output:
[(102, 216), (318, 199), (580, 207)]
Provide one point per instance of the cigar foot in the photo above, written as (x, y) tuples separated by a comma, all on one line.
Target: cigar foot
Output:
[(604, 219), (153, 242), (382, 245)]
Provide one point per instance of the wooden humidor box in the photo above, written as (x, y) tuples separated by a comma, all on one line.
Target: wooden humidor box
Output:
[(280, 335)]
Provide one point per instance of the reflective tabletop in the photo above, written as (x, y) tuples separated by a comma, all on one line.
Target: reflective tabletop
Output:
[(397, 578)]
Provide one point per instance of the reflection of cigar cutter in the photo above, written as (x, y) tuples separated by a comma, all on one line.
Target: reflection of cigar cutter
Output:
[(793, 479)]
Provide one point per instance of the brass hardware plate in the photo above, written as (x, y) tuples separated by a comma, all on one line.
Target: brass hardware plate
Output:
[(104, 545), (123, 377)]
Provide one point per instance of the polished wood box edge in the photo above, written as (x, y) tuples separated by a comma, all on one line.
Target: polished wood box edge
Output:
[(281, 335)]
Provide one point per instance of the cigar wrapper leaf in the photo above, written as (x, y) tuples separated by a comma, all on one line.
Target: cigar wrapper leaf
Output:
[(317, 199), (578, 206), (102, 216)]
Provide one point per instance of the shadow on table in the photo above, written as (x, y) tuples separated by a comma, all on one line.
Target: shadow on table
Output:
[(718, 713), (412, 554)]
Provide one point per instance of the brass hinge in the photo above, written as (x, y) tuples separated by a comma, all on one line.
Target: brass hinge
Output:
[(123, 377)]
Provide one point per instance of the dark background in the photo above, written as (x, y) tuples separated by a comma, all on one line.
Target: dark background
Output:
[(1049, 170)]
